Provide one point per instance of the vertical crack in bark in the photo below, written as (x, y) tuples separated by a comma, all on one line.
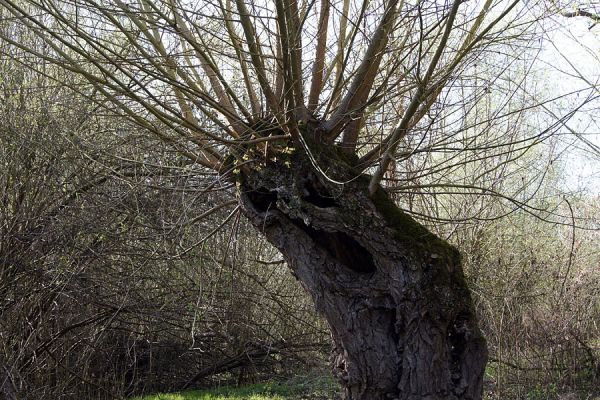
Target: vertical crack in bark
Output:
[(458, 336)]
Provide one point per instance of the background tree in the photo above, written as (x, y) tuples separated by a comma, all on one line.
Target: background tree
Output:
[(307, 143)]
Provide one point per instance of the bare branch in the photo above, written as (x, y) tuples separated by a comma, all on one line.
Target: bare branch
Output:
[(352, 103), (318, 66)]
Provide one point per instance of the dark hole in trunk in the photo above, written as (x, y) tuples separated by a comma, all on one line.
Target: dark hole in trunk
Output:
[(263, 199), (319, 198), (343, 248), (457, 341)]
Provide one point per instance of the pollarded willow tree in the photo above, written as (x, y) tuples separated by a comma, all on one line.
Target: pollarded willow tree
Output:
[(308, 107)]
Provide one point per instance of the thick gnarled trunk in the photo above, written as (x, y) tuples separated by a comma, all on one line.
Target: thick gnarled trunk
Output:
[(394, 294)]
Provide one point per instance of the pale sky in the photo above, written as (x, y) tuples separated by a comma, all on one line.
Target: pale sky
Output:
[(571, 59)]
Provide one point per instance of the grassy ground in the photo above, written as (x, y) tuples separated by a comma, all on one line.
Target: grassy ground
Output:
[(306, 388), (324, 388)]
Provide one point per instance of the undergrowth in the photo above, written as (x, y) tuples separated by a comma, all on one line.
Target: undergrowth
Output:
[(314, 388)]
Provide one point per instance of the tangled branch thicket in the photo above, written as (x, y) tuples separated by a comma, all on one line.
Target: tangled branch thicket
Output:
[(108, 285)]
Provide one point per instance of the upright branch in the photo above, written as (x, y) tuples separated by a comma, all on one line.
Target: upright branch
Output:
[(286, 38), (295, 54), (338, 62), (428, 89), (352, 104), (419, 97), (237, 45), (257, 58), (216, 79), (471, 39), (318, 70)]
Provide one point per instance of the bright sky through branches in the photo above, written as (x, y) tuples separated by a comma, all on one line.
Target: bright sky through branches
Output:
[(570, 60)]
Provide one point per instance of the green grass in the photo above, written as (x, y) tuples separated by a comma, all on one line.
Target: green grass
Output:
[(319, 388)]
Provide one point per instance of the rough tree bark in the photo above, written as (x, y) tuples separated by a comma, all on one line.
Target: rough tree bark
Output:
[(394, 294)]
